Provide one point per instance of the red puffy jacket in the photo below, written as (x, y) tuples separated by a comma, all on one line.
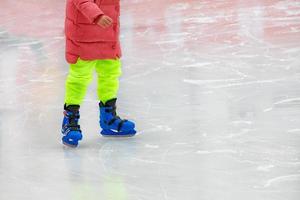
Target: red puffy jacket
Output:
[(86, 39)]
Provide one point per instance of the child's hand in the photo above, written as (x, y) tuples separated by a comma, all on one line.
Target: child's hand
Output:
[(105, 21)]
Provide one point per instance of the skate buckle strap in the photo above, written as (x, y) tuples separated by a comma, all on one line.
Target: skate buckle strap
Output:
[(112, 110), (73, 121), (113, 120), (121, 124)]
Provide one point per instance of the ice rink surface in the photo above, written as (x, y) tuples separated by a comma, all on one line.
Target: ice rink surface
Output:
[(214, 87)]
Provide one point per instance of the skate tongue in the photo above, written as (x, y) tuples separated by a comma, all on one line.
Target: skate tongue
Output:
[(73, 108), (109, 103)]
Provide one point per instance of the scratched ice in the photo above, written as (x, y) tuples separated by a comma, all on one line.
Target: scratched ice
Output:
[(214, 87)]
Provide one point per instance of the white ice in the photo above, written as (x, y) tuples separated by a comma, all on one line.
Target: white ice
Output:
[(213, 86)]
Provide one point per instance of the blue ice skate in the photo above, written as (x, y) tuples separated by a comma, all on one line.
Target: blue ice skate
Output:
[(70, 127), (112, 125)]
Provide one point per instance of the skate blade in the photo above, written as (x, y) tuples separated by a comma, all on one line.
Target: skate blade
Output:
[(114, 134), (70, 145), (119, 136)]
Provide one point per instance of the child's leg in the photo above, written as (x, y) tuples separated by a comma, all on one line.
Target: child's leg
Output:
[(80, 76), (109, 72)]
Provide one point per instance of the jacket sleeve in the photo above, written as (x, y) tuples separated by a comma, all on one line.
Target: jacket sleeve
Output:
[(89, 9)]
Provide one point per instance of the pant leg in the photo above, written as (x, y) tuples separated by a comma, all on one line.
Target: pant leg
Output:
[(108, 72), (80, 76)]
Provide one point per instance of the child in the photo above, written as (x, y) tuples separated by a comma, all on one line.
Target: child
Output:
[(92, 41)]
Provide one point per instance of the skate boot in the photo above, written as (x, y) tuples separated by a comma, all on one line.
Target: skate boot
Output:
[(70, 127), (112, 125)]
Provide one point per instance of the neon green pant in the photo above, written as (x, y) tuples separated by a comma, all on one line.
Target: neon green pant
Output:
[(81, 74)]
